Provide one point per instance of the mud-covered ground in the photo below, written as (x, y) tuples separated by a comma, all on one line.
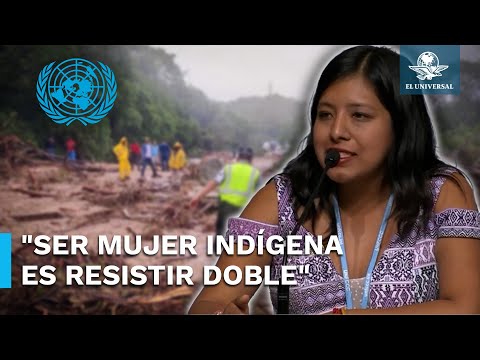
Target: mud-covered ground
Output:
[(44, 197)]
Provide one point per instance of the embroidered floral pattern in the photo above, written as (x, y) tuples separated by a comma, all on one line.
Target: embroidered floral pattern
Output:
[(405, 273)]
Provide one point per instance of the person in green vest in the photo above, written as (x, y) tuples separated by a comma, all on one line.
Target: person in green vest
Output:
[(236, 183)]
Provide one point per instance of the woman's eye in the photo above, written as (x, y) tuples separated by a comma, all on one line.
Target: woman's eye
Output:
[(360, 116), (323, 115)]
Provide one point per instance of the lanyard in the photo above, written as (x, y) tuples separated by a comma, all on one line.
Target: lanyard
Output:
[(376, 249)]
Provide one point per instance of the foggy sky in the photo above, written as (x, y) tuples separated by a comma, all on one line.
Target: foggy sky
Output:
[(228, 72)]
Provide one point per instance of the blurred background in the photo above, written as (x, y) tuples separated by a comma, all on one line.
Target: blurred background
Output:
[(211, 100)]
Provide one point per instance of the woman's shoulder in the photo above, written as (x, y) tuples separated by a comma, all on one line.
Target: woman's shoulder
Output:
[(455, 207), (264, 206), (452, 188)]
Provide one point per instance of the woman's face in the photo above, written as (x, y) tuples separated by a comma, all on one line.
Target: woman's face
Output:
[(351, 119)]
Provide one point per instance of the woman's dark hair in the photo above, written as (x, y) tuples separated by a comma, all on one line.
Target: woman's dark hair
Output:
[(412, 159)]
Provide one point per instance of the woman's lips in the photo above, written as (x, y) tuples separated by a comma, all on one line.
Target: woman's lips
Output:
[(345, 156)]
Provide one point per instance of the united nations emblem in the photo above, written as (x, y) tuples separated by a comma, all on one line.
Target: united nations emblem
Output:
[(76, 89)]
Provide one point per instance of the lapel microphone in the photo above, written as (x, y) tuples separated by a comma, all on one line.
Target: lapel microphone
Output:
[(332, 157)]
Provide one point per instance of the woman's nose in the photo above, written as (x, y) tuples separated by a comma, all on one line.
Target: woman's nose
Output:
[(339, 128)]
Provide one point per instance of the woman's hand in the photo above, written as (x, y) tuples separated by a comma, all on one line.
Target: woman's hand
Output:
[(238, 306)]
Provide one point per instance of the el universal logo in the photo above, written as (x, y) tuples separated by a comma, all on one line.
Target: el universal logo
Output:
[(428, 67)]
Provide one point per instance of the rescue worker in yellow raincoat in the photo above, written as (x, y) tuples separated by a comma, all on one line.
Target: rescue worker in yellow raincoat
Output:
[(121, 151), (178, 157)]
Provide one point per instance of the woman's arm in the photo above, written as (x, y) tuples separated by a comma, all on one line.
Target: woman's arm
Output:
[(458, 258), (224, 298)]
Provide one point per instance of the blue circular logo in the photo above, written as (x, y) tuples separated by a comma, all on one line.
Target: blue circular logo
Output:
[(76, 89)]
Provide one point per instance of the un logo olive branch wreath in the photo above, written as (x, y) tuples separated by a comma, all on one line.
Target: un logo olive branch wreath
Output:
[(50, 109)]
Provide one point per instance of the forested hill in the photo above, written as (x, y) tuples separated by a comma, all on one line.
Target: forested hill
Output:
[(458, 117), (152, 100), (275, 117)]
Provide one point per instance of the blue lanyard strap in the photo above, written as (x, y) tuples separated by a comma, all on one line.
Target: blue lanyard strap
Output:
[(371, 265)]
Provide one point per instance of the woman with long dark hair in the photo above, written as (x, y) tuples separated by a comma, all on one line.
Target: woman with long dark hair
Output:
[(406, 221)]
